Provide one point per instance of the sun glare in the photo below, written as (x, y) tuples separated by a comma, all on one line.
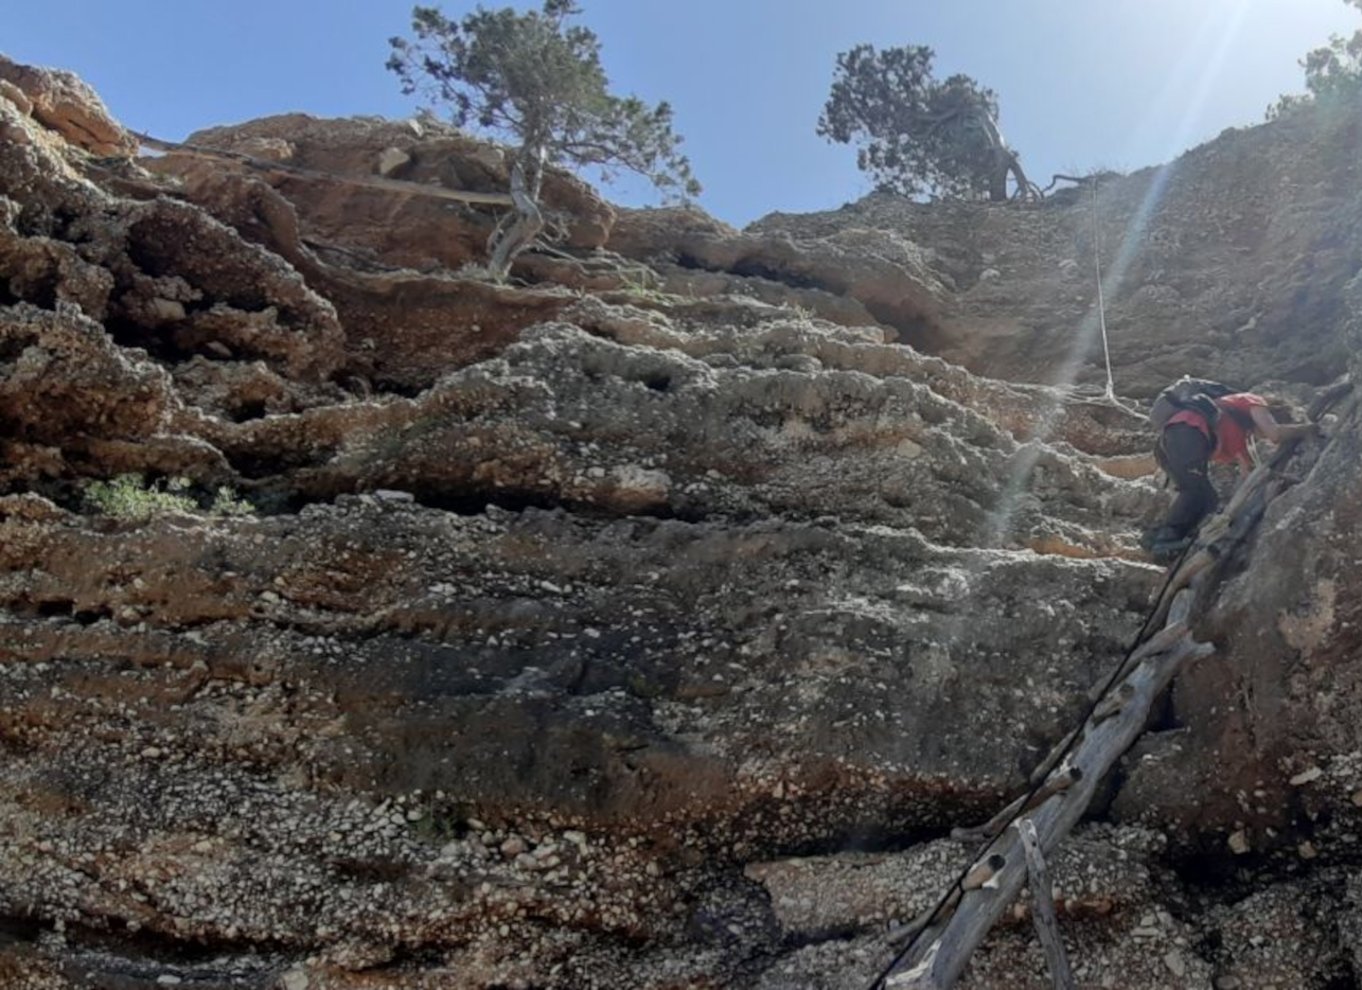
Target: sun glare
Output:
[(1204, 58)]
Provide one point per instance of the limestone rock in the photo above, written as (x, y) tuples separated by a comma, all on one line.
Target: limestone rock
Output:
[(638, 623), (62, 101)]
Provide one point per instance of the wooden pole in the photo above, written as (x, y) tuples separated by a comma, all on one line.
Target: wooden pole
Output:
[(1047, 925), (996, 824)]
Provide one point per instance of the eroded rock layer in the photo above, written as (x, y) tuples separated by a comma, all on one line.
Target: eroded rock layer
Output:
[(645, 621)]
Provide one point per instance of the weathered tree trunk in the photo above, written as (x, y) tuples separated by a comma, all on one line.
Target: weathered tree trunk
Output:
[(529, 221), (1026, 189), (1005, 163), (997, 180)]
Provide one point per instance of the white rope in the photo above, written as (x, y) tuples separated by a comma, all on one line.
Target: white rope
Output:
[(1110, 393), (1101, 303)]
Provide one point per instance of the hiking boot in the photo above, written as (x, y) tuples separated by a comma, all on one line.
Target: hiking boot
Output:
[(1167, 551), (1151, 538)]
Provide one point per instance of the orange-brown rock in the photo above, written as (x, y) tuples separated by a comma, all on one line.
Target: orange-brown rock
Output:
[(408, 230), (63, 102)]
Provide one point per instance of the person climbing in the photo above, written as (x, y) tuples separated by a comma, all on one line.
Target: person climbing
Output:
[(1202, 422)]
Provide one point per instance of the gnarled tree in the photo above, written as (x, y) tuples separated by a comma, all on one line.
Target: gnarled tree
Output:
[(1332, 71), (536, 81), (917, 134)]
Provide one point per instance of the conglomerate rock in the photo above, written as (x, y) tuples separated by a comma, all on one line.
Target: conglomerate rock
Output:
[(397, 322), (887, 277), (649, 629)]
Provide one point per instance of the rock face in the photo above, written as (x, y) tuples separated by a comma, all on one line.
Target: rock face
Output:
[(61, 101), (1272, 705), (1228, 263), (409, 231), (641, 623)]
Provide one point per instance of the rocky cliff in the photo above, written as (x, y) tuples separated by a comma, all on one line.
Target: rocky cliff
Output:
[(646, 621)]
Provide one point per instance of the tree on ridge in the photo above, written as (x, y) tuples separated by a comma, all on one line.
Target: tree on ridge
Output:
[(1332, 71), (917, 134), (536, 81)]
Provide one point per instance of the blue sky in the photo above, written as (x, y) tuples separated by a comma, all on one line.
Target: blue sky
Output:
[(1083, 83)]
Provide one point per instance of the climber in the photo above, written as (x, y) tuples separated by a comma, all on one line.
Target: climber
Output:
[(1202, 422)]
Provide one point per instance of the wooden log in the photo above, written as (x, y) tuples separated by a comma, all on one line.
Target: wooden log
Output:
[(904, 933), (1191, 568), (1213, 529), (1111, 704), (1056, 755), (1167, 637), (1327, 399), (937, 964), (1047, 925), (1180, 611), (995, 825), (983, 871), (1162, 641), (1246, 488)]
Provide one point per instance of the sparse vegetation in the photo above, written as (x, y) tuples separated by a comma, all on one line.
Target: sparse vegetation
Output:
[(918, 135), (130, 496), (228, 503), (643, 285), (536, 81), (1332, 72)]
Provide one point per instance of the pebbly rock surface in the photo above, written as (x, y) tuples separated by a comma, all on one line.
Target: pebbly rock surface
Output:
[(642, 622)]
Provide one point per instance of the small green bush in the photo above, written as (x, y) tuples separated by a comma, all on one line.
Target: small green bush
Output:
[(129, 496), (228, 503)]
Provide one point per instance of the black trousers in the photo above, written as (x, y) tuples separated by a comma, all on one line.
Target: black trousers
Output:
[(1184, 452)]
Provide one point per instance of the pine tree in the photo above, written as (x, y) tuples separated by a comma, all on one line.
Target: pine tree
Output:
[(917, 134), (1332, 72), (536, 81)]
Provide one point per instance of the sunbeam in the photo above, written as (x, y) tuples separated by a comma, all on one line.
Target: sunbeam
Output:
[(1216, 35)]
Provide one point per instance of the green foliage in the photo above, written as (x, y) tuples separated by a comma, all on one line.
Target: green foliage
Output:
[(441, 819), (917, 134), (642, 291), (129, 496), (536, 81), (1332, 72), (228, 503)]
